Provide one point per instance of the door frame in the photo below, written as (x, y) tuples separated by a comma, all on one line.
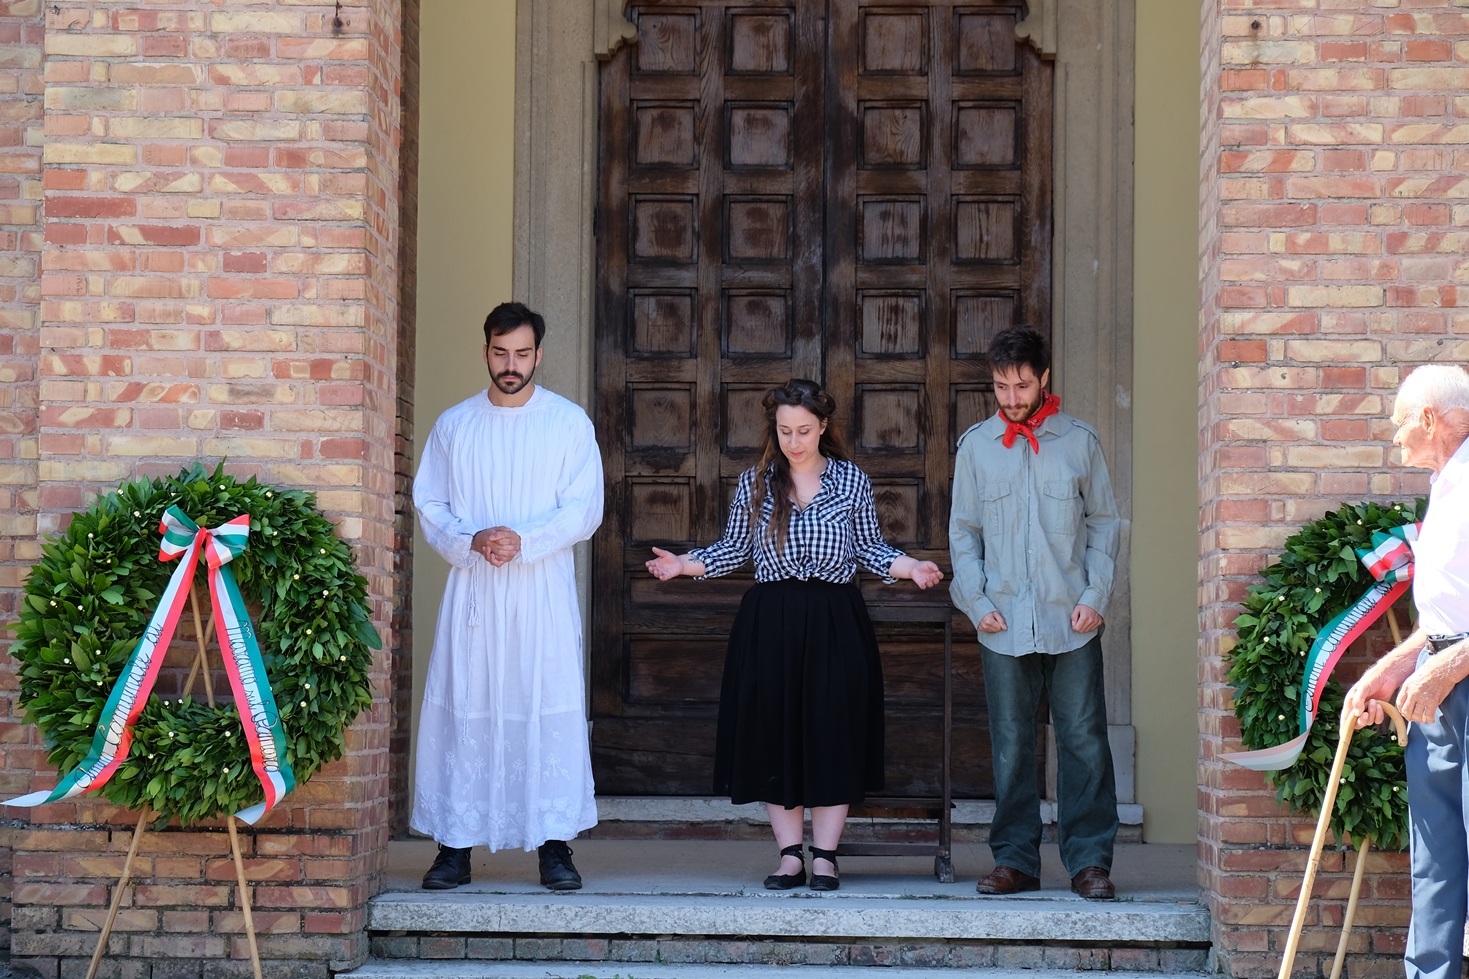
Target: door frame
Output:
[(559, 44)]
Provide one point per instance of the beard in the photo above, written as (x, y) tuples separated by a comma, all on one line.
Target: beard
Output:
[(509, 382), (1022, 412)]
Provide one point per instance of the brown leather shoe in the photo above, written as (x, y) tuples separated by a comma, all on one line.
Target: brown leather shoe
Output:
[(1093, 884), (1007, 880)]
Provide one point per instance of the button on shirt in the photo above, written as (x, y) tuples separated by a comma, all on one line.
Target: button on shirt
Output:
[(1032, 535), (1441, 552), (837, 530)]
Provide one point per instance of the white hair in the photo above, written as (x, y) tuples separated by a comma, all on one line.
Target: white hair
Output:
[(1442, 387)]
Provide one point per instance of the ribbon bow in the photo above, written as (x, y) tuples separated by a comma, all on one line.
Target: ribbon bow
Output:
[(221, 545), (1390, 561)]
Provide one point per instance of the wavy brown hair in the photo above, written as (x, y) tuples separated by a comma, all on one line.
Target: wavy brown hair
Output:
[(774, 465)]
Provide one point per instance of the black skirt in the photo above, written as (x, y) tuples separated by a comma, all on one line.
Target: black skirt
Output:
[(801, 709)]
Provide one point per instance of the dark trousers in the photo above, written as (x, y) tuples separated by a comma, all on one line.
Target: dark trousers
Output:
[(1437, 764), (1085, 786)]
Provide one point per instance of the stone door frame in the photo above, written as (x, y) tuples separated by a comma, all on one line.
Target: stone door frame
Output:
[(559, 44)]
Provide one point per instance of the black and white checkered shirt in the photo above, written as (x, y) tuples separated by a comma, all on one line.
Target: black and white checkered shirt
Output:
[(837, 529)]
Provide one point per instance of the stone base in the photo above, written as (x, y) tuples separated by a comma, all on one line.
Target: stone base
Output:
[(614, 953), (601, 969)]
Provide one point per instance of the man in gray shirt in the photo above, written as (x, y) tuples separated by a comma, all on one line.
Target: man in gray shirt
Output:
[(1033, 534)]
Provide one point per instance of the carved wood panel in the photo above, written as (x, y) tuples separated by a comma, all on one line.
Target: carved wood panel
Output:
[(850, 191)]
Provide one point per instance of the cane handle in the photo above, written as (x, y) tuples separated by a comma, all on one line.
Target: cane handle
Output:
[(1399, 726)]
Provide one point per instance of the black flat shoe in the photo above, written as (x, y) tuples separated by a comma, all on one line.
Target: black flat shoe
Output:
[(824, 882), (450, 869), (557, 871), (784, 882)]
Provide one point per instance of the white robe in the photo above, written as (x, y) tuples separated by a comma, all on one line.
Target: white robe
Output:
[(503, 758)]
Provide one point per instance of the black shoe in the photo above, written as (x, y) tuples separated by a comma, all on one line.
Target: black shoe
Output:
[(557, 871), (450, 869), (824, 882), (784, 882)]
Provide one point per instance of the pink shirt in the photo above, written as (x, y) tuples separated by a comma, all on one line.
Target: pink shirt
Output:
[(1441, 553)]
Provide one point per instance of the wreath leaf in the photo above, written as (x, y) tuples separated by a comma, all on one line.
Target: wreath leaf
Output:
[(185, 759), (1317, 576)]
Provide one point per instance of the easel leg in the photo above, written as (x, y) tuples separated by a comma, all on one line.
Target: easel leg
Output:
[(201, 661), (1392, 623), (1346, 925), (122, 882), (244, 897)]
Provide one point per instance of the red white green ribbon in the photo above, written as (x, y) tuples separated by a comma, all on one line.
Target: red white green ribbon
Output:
[(184, 538), (1390, 559)]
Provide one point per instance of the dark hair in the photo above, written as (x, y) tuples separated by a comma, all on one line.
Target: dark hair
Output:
[(1020, 346), (511, 316), (773, 463)]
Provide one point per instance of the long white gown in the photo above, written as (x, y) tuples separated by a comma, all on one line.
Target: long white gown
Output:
[(503, 758)]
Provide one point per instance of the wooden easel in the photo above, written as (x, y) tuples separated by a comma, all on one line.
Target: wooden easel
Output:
[(1323, 830), (201, 663)]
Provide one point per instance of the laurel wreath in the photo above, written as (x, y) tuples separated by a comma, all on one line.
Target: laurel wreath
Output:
[(1317, 577), (88, 600)]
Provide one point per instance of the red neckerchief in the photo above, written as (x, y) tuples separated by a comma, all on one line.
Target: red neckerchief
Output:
[(1050, 404)]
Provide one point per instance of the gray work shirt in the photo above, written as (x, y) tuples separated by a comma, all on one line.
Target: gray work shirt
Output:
[(1032, 535)]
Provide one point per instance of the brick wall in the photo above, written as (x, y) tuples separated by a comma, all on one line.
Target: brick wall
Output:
[(219, 278), (21, 29), (1332, 250)]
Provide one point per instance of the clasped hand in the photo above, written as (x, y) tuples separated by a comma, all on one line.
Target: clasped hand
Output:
[(497, 545), (1084, 618)]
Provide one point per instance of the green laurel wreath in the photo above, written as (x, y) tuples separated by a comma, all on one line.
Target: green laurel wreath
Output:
[(89, 598), (1318, 576)]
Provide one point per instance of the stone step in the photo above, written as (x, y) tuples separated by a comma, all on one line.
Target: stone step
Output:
[(377, 969), (701, 903), (791, 914), (789, 930)]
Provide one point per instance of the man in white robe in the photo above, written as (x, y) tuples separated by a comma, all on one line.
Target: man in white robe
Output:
[(509, 480)]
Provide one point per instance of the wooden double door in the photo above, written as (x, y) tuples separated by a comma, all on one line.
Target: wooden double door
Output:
[(857, 193)]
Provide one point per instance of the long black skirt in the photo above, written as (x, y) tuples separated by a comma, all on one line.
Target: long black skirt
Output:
[(801, 711)]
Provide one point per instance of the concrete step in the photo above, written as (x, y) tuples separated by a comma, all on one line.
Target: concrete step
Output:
[(377, 969)]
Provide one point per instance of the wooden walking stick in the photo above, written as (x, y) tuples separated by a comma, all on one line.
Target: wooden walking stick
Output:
[(1323, 829)]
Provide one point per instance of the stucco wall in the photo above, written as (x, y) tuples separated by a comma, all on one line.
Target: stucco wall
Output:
[(1165, 436), (466, 198)]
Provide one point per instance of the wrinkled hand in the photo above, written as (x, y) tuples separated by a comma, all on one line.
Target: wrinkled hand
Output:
[(926, 574), (993, 622), (497, 545), (1425, 690), (1084, 618), (666, 565), (1367, 696)]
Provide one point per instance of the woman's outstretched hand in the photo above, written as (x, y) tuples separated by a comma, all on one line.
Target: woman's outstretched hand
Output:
[(666, 565), (926, 574)]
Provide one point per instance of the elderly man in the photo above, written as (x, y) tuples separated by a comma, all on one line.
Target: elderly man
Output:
[(1432, 415)]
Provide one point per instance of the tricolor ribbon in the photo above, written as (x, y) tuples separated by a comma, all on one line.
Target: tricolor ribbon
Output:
[(253, 699), (1390, 560)]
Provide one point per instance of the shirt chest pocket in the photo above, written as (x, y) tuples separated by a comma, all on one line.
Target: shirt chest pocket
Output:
[(994, 498), (1060, 507)]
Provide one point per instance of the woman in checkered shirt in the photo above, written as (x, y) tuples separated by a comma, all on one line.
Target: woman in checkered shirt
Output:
[(801, 709)]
